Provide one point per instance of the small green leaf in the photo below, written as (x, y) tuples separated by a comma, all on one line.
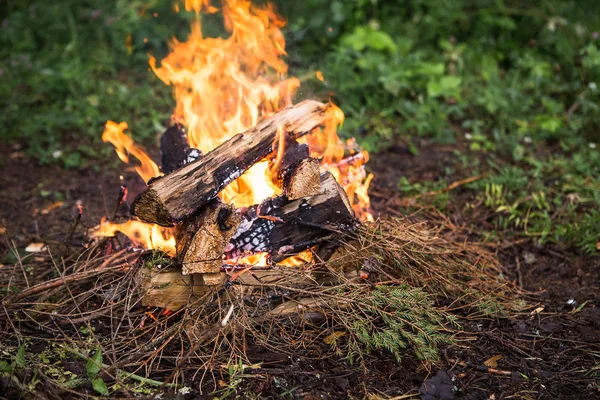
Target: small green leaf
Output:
[(578, 309), (21, 356), (366, 37), (99, 385), (518, 152), (447, 86), (93, 365), (5, 367)]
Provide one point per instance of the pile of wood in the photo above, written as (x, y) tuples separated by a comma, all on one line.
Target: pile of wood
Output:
[(312, 213)]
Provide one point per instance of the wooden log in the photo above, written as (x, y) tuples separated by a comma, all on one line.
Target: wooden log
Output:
[(169, 289), (293, 153), (176, 196), (285, 227), (295, 172), (202, 238), (303, 179), (256, 278), (175, 149)]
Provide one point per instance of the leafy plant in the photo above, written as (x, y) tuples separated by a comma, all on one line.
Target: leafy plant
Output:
[(394, 318), (92, 368), (235, 372)]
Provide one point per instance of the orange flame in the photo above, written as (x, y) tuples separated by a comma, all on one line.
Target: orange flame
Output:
[(144, 235), (124, 146), (262, 259), (224, 86)]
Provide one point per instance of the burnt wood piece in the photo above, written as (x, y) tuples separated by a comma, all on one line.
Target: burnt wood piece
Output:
[(285, 227), (326, 250), (303, 179), (293, 153), (175, 149), (175, 196), (202, 238)]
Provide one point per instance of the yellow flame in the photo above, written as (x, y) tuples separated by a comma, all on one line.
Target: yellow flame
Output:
[(124, 146), (144, 235), (262, 259)]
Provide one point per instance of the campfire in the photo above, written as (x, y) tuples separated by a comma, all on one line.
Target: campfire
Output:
[(250, 250), (246, 178)]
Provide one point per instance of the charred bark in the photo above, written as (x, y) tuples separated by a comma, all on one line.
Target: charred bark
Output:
[(175, 149), (286, 227), (294, 152), (176, 196)]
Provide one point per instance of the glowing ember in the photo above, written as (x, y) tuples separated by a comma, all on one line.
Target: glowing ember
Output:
[(224, 86)]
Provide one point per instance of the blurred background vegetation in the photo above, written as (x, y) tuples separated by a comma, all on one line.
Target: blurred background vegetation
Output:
[(516, 81)]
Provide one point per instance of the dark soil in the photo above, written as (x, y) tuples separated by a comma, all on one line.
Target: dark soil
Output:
[(553, 353)]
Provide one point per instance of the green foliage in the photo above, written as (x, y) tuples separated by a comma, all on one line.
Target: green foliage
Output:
[(20, 357), (235, 371), (69, 66), (8, 368), (394, 318), (92, 368), (5, 367)]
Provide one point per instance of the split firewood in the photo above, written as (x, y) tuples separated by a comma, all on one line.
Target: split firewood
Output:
[(169, 289), (202, 238), (174, 197), (209, 279), (293, 153), (258, 277), (303, 179), (285, 227), (295, 172), (175, 149)]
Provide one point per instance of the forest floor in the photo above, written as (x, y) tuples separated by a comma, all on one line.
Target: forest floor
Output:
[(553, 352)]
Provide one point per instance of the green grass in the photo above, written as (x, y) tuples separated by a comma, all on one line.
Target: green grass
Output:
[(518, 83), (69, 66)]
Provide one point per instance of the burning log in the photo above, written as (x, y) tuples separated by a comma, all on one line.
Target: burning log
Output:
[(175, 149), (286, 227), (295, 172), (178, 195), (202, 238), (293, 153)]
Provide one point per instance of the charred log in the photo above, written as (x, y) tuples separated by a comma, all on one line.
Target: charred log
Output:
[(176, 196), (175, 149), (294, 152), (296, 173), (286, 227)]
